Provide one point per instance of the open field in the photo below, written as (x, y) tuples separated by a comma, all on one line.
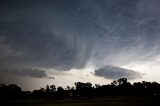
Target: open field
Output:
[(107, 101)]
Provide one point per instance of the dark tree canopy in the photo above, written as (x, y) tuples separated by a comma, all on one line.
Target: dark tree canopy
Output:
[(117, 87)]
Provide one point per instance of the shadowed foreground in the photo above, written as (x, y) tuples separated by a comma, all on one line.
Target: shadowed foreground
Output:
[(119, 93), (82, 101)]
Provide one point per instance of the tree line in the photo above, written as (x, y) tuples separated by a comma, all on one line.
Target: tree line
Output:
[(115, 88)]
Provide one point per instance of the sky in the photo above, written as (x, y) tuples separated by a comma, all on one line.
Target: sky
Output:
[(65, 41)]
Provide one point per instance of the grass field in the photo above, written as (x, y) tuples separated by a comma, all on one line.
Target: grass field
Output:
[(107, 101)]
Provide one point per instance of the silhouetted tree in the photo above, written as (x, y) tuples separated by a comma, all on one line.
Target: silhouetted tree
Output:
[(52, 90), (47, 91), (117, 87), (60, 92), (84, 89), (11, 91), (114, 83), (122, 81), (155, 88), (39, 93)]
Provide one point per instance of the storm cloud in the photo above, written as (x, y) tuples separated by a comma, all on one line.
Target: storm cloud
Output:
[(68, 34), (113, 72), (34, 73)]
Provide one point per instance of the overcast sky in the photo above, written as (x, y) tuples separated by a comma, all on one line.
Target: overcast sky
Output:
[(63, 41)]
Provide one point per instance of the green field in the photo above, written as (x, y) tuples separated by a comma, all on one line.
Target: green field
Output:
[(107, 101)]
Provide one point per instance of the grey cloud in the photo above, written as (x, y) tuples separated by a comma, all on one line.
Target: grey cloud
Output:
[(57, 42), (28, 72), (113, 72), (36, 73), (5, 49), (64, 34)]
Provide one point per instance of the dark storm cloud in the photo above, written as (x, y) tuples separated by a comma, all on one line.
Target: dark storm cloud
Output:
[(35, 73), (113, 72), (46, 37), (66, 34)]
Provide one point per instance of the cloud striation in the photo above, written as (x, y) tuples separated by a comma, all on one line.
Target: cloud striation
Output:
[(67, 34)]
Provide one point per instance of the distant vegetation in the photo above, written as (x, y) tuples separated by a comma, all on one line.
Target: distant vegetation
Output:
[(120, 87)]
